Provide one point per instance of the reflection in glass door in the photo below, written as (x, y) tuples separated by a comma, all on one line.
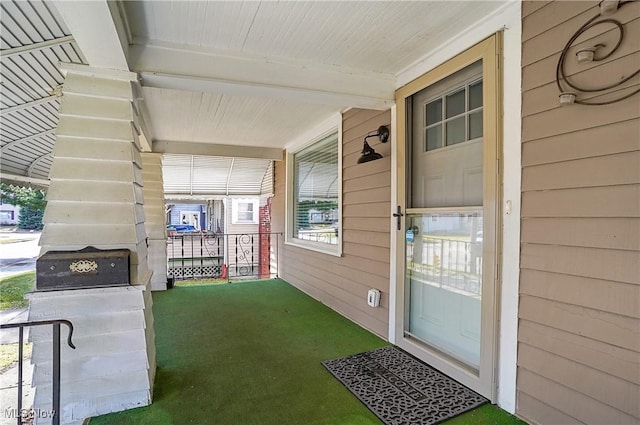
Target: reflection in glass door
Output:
[(444, 282)]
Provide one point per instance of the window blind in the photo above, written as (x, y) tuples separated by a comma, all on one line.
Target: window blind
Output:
[(316, 209)]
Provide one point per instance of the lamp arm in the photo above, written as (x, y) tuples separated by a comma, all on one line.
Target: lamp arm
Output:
[(382, 134)]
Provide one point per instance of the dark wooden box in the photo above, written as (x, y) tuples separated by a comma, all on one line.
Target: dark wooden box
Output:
[(87, 268)]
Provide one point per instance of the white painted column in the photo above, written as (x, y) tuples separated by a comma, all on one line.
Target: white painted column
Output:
[(155, 218), (96, 199)]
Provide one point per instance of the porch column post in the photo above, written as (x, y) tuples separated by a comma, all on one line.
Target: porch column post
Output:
[(95, 199), (155, 218)]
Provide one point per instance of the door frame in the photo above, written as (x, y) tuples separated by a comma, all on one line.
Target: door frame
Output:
[(490, 52)]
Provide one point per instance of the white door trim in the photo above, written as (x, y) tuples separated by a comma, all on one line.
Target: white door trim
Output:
[(393, 264)]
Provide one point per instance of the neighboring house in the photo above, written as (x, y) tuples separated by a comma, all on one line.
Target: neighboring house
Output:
[(226, 215), (235, 221), (500, 222), (242, 214), (194, 215), (9, 214), (243, 240)]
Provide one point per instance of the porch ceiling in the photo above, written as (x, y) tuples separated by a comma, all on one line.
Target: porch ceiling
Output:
[(263, 72), (254, 75), (33, 40)]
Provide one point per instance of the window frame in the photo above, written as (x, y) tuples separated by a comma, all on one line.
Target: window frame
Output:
[(10, 216), (189, 212), (235, 203), (466, 114), (322, 132)]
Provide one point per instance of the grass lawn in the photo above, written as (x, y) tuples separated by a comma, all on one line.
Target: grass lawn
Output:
[(199, 282), (5, 241), (12, 290), (250, 353), (9, 355)]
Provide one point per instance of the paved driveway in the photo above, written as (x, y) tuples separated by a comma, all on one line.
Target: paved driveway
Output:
[(18, 251)]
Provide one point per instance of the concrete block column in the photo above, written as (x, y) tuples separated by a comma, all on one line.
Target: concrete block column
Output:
[(96, 199), (155, 218)]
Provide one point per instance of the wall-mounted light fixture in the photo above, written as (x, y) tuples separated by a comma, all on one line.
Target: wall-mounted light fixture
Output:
[(368, 154)]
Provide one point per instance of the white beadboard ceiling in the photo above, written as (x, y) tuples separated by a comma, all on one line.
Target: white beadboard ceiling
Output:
[(249, 74), (371, 36), (223, 119), (351, 50)]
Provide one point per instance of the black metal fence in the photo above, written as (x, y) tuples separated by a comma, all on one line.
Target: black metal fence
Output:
[(22, 414), (230, 256)]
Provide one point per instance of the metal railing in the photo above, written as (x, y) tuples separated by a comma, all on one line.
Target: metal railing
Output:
[(451, 263), (199, 255), (329, 236), (55, 417)]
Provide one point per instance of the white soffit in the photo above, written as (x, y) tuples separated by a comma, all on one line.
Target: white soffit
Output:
[(208, 175)]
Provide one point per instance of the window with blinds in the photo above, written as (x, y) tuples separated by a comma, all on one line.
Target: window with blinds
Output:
[(244, 211), (316, 185)]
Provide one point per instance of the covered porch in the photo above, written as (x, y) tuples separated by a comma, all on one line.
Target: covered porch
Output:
[(496, 231), (251, 353)]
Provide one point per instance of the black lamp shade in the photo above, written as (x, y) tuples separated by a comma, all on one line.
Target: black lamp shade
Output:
[(368, 154)]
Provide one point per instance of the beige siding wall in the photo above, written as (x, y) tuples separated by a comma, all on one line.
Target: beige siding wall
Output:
[(342, 282), (579, 327)]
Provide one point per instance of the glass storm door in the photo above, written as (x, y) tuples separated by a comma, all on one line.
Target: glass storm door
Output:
[(444, 218), (449, 174)]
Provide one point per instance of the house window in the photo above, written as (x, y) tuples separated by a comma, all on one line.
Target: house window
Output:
[(190, 218), (244, 211), (314, 197), (454, 118)]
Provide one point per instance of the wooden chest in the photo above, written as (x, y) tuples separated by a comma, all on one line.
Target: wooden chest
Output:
[(87, 268)]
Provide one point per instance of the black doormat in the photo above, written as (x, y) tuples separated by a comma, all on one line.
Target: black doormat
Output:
[(401, 390)]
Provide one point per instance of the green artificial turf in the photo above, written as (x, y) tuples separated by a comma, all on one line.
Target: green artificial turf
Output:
[(12, 290), (250, 353)]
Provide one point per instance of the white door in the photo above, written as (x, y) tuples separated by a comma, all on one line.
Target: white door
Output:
[(447, 182)]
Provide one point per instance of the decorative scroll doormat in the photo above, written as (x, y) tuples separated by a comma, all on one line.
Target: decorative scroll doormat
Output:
[(401, 390)]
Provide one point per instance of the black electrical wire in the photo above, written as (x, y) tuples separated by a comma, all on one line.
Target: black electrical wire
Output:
[(560, 68)]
